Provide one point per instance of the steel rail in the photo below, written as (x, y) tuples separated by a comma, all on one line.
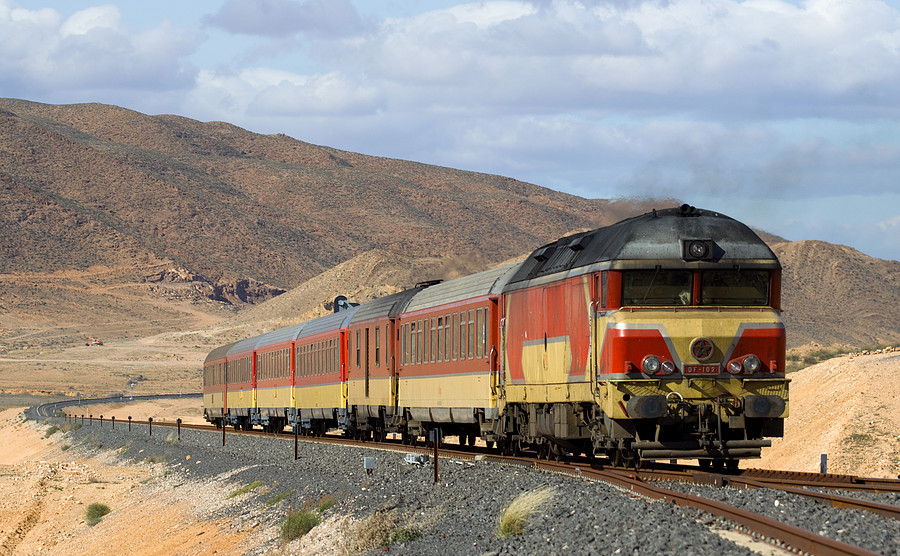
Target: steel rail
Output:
[(824, 480), (835, 500), (794, 537)]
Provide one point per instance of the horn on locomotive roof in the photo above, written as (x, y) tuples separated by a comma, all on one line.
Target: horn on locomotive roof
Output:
[(342, 304), (688, 210)]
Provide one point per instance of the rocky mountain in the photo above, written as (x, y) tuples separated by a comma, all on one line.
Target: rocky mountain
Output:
[(834, 294), (123, 224), (95, 184)]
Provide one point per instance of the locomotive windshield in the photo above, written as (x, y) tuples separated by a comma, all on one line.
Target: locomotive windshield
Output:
[(656, 287), (666, 288), (735, 287)]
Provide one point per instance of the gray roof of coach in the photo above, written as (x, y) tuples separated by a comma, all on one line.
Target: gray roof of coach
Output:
[(218, 353), (243, 346), (655, 236), (484, 283), (385, 306), (285, 334), (328, 323)]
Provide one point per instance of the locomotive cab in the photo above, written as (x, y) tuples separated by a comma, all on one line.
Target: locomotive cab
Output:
[(669, 341)]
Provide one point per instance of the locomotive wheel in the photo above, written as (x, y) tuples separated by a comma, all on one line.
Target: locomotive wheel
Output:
[(557, 453), (489, 444), (705, 464), (731, 464), (503, 446), (471, 440)]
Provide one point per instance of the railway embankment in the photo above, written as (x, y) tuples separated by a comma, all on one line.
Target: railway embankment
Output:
[(176, 495), (231, 499)]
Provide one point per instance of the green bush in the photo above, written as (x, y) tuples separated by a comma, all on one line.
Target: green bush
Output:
[(51, 431), (279, 497), (95, 513), (404, 534), (326, 503), (246, 488), (296, 524)]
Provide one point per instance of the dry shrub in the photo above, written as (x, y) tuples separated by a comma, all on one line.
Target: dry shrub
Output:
[(95, 513), (385, 528), (513, 520), (296, 524), (372, 532)]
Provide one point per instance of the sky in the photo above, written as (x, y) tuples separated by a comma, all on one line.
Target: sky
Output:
[(784, 114)]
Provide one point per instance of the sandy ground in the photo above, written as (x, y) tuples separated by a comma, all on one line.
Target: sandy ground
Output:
[(44, 493), (848, 408)]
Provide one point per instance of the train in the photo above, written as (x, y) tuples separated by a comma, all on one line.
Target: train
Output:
[(658, 337)]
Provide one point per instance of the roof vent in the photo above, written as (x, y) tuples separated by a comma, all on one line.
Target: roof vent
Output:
[(542, 254), (578, 243)]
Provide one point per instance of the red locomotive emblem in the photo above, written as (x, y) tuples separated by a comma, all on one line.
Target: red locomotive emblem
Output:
[(702, 349)]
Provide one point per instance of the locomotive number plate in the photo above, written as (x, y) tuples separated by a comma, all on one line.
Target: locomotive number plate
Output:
[(701, 369)]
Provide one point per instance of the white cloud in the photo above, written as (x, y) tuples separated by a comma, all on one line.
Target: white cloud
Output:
[(43, 53), (684, 51), (891, 226), (91, 19), (279, 18), (779, 100)]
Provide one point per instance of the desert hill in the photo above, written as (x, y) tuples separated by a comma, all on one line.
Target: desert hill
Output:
[(123, 225), (116, 223), (94, 184), (836, 295)]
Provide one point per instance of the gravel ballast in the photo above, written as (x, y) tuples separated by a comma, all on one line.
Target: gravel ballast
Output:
[(459, 515), (854, 527)]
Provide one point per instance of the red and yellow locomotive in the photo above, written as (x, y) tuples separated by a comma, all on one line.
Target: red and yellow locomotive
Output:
[(658, 337)]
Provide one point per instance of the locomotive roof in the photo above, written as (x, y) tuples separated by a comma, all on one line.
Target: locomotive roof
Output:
[(652, 238), (483, 283)]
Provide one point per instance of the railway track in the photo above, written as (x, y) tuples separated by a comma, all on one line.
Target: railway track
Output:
[(640, 482)]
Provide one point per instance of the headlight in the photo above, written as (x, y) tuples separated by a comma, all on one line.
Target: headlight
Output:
[(650, 365), (668, 367), (751, 364), (698, 249), (734, 367)]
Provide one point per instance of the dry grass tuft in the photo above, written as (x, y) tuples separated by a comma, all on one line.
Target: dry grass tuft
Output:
[(385, 528), (513, 520)]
